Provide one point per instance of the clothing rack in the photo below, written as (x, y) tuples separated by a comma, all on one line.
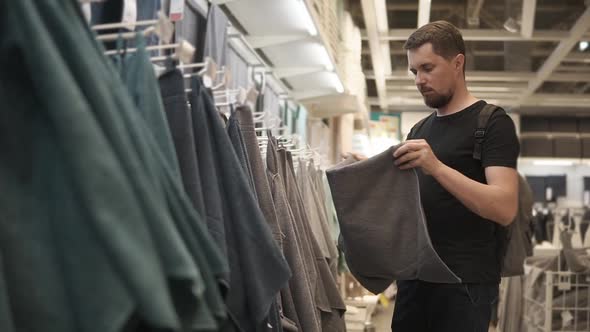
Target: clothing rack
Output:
[(162, 27), (184, 52), (99, 27)]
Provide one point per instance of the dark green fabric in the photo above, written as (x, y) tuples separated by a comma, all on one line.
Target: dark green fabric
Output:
[(138, 75), (147, 98), (98, 225), (6, 323)]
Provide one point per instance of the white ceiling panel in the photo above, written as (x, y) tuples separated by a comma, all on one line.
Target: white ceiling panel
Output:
[(269, 17)]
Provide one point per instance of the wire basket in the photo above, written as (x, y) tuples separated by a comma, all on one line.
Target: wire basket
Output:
[(557, 301)]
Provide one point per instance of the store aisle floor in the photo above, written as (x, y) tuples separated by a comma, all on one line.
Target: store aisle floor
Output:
[(382, 319)]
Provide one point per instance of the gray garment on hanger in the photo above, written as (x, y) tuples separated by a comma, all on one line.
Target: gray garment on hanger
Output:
[(261, 182), (327, 296), (235, 135), (298, 298), (258, 270), (216, 35), (382, 223), (237, 139), (316, 208)]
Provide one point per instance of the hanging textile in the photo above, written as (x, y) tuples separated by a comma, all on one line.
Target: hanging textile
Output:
[(297, 299), (180, 122), (258, 268), (327, 297), (216, 35), (237, 140), (100, 205), (392, 242)]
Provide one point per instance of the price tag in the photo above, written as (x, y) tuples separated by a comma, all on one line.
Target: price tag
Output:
[(176, 10), (129, 13)]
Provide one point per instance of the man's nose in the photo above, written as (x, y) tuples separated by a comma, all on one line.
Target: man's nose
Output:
[(419, 79)]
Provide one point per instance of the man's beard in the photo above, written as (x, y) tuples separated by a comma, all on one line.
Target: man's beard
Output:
[(435, 100)]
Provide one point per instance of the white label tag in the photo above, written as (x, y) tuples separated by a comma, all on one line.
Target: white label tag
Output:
[(87, 12), (567, 318), (129, 13), (176, 10)]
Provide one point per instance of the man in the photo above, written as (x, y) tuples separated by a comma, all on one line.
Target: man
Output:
[(466, 201)]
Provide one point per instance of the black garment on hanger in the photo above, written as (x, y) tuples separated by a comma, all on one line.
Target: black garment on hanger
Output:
[(180, 122)]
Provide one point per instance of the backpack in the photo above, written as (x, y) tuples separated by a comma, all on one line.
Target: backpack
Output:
[(515, 239)]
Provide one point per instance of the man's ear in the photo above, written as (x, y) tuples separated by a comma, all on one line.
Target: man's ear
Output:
[(459, 62)]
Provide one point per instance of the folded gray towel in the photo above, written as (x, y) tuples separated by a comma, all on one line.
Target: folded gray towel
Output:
[(382, 224)]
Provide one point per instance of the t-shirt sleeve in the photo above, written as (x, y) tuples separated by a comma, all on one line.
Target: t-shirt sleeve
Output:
[(500, 146)]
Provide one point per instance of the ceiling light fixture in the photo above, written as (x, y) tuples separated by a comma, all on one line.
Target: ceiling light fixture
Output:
[(306, 16), (338, 83), (583, 45), (327, 60)]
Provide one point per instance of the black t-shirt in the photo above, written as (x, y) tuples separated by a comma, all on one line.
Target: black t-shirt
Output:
[(466, 242)]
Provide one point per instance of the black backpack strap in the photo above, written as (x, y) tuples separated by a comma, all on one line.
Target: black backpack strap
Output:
[(418, 125), (480, 131)]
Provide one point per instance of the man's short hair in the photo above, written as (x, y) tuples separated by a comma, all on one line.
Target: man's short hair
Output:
[(445, 38)]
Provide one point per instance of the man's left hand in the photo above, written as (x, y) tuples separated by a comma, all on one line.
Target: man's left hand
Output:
[(417, 153)]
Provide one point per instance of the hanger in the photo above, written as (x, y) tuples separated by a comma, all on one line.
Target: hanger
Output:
[(162, 27), (208, 67), (184, 52), (226, 78)]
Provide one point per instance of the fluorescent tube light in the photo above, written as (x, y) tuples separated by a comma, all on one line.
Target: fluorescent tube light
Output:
[(306, 16)]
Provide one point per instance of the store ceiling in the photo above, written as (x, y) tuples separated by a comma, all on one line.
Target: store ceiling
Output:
[(279, 33), (537, 66)]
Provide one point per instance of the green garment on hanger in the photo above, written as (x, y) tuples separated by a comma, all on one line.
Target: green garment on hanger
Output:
[(94, 220)]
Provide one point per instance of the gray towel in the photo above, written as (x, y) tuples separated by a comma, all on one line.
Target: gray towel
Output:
[(382, 224)]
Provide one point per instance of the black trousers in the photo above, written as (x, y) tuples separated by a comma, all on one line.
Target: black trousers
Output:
[(427, 307)]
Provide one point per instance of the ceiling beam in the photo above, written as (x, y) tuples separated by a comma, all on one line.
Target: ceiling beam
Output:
[(527, 24), (580, 57), (485, 95), (573, 68), (514, 87), (377, 57), (423, 12), (493, 76), (409, 6), (545, 99), (382, 28), (560, 52), (486, 76), (481, 35)]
